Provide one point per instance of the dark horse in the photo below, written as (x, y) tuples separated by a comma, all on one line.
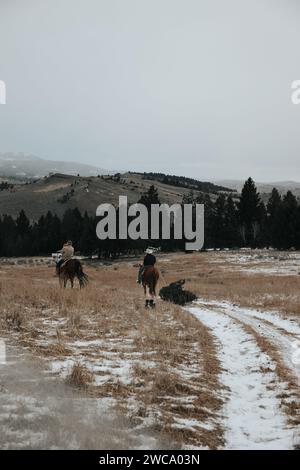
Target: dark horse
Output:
[(71, 269), (149, 279)]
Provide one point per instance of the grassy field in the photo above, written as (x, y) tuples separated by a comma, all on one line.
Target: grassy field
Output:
[(159, 368)]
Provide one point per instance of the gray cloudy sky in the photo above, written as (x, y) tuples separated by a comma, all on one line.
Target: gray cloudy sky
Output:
[(193, 87)]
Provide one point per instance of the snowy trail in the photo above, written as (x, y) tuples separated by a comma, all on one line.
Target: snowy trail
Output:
[(283, 333), (283, 341), (253, 418)]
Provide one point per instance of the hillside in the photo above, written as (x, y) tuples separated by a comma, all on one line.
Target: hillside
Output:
[(29, 166), (185, 182), (59, 192)]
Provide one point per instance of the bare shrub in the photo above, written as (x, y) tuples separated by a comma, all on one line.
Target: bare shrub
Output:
[(80, 376), (14, 320)]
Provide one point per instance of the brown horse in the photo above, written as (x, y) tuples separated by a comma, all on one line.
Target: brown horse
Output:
[(149, 279), (69, 270)]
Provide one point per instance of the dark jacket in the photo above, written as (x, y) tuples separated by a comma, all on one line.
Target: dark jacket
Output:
[(149, 260)]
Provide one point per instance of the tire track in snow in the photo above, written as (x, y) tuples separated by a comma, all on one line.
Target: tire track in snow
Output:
[(280, 331), (252, 415)]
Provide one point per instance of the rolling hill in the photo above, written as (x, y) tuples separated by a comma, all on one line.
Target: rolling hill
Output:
[(29, 166), (59, 192)]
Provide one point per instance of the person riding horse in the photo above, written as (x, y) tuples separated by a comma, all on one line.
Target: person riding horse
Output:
[(149, 260), (67, 253), (148, 276)]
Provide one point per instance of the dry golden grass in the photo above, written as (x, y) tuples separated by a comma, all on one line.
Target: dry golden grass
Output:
[(211, 276), (80, 376), (174, 370)]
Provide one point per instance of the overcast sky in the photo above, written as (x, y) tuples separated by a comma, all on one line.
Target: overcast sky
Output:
[(199, 88)]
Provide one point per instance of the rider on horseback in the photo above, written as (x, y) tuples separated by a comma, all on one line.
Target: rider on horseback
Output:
[(149, 260), (67, 253)]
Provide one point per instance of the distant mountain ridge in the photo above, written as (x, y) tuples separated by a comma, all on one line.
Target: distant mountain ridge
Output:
[(264, 188), (30, 166)]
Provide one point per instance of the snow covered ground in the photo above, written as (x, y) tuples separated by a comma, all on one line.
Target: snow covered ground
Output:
[(261, 261), (253, 415), (155, 368), (39, 412)]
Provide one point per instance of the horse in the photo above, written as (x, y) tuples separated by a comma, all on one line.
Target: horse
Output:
[(150, 277), (69, 270)]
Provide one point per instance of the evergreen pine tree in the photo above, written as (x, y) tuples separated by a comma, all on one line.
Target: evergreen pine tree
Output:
[(22, 224), (72, 226), (250, 213), (148, 198), (231, 235), (289, 221), (274, 218), (219, 222)]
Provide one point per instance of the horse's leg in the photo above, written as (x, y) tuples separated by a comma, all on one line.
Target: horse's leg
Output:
[(154, 288), (65, 282), (151, 301), (80, 280), (72, 281), (153, 293), (145, 294), (151, 289)]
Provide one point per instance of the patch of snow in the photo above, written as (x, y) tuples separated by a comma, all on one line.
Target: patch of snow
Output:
[(95, 342), (182, 423), (62, 367)]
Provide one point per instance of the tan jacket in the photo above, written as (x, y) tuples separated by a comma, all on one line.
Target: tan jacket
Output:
[(67, 252)]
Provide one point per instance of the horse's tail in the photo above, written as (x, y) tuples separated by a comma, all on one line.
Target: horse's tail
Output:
[(150, 278), (82, 277), (153, 281), (151, 286)]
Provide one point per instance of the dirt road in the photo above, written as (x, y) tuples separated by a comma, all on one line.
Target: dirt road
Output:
[(258, 389)]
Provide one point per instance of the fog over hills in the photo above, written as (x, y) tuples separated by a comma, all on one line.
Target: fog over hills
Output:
[(31, 166), (26, 166)]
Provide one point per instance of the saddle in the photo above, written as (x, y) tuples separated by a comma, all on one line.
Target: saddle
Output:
[(60, 266), (147, 270)]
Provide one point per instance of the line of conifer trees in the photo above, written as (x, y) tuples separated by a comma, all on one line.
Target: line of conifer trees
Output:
[(230, 222)]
